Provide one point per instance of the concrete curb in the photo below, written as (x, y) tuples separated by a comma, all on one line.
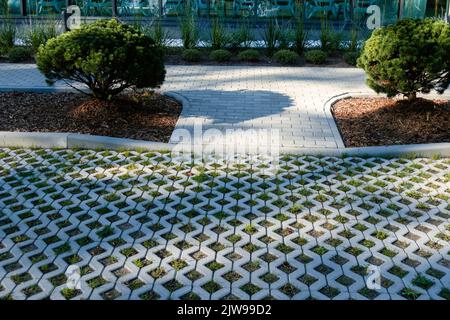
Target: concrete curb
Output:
[(86, 141), (33, 139), (47, 89), (75, 140), (425, 150)]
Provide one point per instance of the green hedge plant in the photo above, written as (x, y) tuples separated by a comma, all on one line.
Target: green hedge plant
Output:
[(410, 57), (250, 55), (191, 55), (19, 54), (351, 57), (286, 57), (316, 56), (220, 55), (107, 56)]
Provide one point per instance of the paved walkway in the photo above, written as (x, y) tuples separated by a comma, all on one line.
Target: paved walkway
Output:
[(288, 100), (130, 225)]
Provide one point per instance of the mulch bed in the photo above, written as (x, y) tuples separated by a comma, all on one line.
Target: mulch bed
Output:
[(137, 116), (382, 121)]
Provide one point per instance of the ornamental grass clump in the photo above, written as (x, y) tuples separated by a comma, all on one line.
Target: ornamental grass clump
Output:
[(38, 33), (407, 58), (107, 56)]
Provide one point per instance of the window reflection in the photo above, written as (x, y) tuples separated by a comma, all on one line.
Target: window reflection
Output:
[(45, 7), (11, 7), (94, 7), (138, 8), (313, 10)]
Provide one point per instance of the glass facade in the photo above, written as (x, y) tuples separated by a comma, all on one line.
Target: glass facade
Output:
[(336, 10)]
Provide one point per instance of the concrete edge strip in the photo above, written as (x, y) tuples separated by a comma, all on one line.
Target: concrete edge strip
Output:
[(46, 89), (75, 140), (333, 125)]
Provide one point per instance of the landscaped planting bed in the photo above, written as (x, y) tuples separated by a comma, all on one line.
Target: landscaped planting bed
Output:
[(381, 121), (137, 116), (174, 57)]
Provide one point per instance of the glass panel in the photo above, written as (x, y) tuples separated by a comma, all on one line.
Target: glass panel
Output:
[(10, 7), (45, 7), (436, 8), (138, 8), (94, 7), (276, 8), (330, 9), (389, 11), (244, 8), (414, 8), (172, 8)]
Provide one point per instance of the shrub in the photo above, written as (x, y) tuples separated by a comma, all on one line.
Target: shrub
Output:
[(220, 55), (19, 54), (107, 56), (409, 57), (249, 55), (286, 57), (316, 56), (351, 57), (191, 55)]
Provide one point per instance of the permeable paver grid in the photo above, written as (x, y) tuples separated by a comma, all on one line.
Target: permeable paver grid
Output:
[(145, 226)]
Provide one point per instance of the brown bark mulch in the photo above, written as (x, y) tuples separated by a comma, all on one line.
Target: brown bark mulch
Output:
[(136, 116), (382, 121)]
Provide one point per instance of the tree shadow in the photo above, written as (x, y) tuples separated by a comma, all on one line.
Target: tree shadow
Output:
[(217, 107)]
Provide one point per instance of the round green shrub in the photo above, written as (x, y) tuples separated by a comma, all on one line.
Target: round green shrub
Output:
[(286, 57), (19, 54), (351, 57), (220, 55), (316, 56), (250, 55), (408, 57), (107, 56), (191, 55)]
